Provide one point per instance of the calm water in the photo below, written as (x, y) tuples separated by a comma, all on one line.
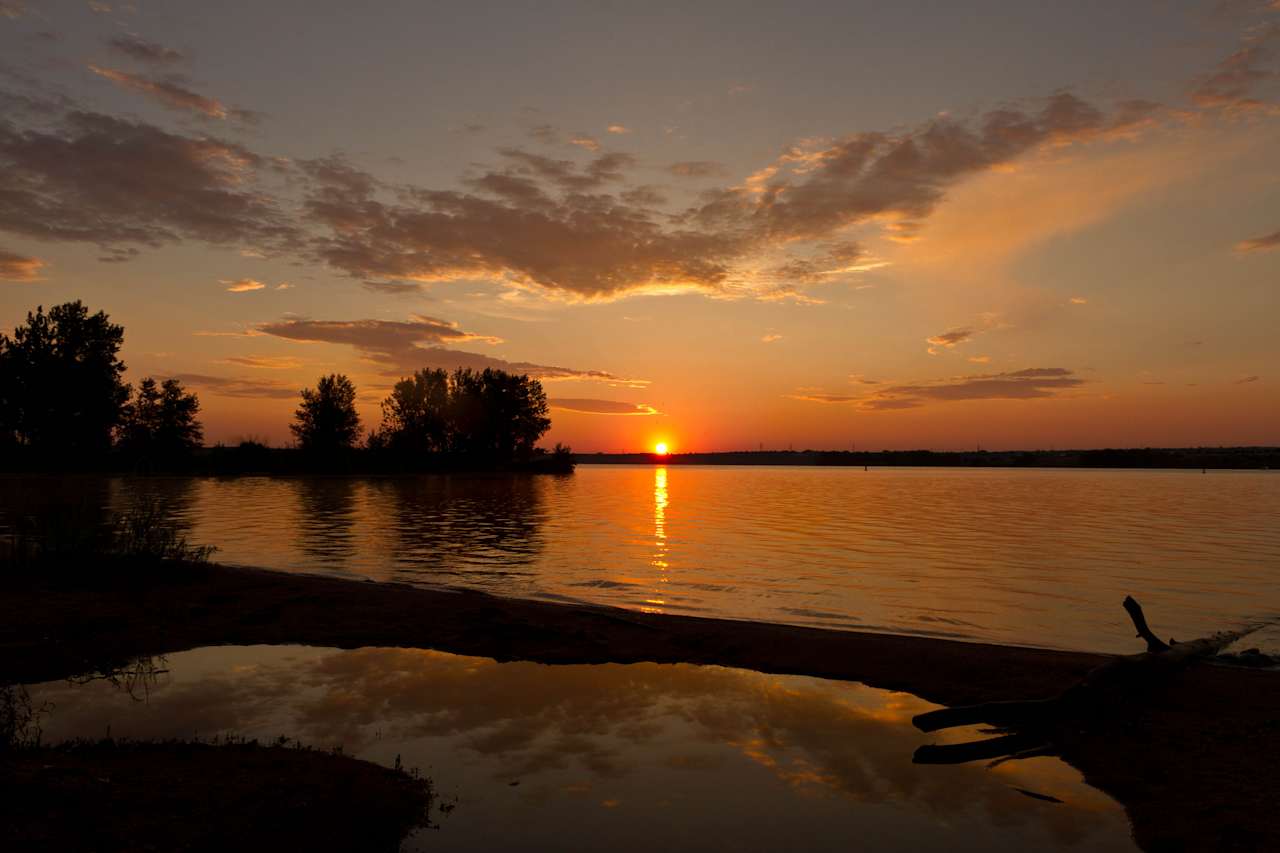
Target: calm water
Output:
[(1034, 557), (639, 757)]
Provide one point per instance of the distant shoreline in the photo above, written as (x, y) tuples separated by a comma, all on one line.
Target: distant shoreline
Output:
[(1238, 458)]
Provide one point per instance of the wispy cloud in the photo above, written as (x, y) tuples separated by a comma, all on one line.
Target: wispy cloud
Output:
[(1264, 243), (226, 386), (137, 48), (601, 407), (619, 129), (263, 362), (1032, 383), (22, 268), (241, 285), (1246, 380), (173, 93), (772, 337), (398, 348)]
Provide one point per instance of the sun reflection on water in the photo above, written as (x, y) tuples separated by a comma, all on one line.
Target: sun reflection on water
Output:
[(660, 546)]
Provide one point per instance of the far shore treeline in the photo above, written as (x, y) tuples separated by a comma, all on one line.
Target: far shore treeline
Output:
[(64, 405)]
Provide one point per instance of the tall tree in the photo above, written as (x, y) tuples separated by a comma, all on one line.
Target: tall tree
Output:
[(61, 386), (496, 414), (327, 420), (161, 422), (415, 416)]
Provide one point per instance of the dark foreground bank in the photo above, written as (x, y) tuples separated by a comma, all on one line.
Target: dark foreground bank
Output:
[(109, 795), (1193, 762)]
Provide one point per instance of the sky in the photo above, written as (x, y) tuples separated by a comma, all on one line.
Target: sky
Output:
[(732, 226)]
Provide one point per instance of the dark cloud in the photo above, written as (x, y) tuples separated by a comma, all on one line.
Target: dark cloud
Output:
[(224, 386), (1029, 384), (1248, 379), (811, 193), (399, 348), (698, 169), (601, 407), (97, 179), (15, 267), (374, 335), (138, 48), (172, 92), (1264, 243)]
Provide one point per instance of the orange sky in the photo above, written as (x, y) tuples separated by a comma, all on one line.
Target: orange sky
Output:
[(814, 226)]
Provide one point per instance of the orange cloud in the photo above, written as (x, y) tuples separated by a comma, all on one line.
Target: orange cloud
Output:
[(241, 285), (14, 267)]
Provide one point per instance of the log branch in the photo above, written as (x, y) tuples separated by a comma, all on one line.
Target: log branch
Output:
[(1154, 643)]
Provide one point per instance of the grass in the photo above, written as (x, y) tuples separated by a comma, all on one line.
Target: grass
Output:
[(76, 537)]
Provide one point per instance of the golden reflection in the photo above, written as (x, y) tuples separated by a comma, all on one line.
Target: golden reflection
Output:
[(659, 561)]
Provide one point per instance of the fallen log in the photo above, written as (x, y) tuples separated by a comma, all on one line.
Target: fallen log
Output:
[(1026, 720)]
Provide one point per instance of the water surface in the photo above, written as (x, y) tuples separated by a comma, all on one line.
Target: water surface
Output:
[(616, 757), (1031, 557)]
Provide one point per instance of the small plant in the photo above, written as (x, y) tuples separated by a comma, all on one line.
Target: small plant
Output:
[(80, 534), (19, 719)]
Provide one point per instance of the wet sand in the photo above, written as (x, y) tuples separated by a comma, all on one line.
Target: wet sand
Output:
[(1194, 765)]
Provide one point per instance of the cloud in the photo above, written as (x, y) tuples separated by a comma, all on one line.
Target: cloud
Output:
[(98, 179), (14, 267), (12, 8), (955, 337), (263, 362), (585, 140), (138, 48), (172, 93), (1248, 379), (1260, 244), (619, 128), (816, 397), (698, 169), (601, 407), (284, 285), (771, 338), (241, 285), (1079, 300), (1029, 384), (399, 348), (545, 133), (1231, 85), (1032, 383), (980, 359), (224, 386)]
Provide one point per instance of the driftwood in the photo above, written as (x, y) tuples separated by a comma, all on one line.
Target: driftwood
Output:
[(1025, 726)]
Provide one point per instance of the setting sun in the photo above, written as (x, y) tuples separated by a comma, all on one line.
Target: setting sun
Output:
[(660, 448)]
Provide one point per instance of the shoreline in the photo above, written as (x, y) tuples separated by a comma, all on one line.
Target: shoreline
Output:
[(1193, 764)]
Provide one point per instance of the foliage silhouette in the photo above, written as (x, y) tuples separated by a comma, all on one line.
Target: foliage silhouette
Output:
[(60, 381), (160, 423), (489, 415), (326, 421)]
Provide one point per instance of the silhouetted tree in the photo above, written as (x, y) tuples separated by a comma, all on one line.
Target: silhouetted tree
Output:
[(60, 380), (415, 415), (489, 415), (161, 422), (327, 420)]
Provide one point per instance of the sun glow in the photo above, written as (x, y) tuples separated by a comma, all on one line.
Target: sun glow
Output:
[(660, 448)]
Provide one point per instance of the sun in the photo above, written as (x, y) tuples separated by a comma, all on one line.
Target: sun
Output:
[(660, 448)]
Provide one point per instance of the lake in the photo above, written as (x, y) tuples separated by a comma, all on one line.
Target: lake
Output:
[(635, 757), (1032, 557)]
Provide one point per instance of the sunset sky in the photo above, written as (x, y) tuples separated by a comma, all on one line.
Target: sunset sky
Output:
[(722, 225)]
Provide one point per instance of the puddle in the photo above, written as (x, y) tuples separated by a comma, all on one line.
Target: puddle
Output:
[(618, 757)]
